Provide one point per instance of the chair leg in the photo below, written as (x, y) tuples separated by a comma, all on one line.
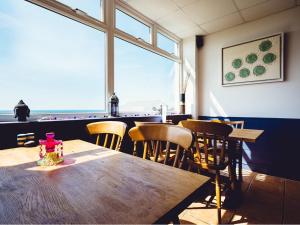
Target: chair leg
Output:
[(240, 158), (231, 177), (232, 165), (218, 196)]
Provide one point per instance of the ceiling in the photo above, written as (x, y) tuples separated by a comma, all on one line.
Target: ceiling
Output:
[(190, 17)]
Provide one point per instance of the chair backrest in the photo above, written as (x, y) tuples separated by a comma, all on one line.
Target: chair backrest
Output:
[(112, 131), (160, 134), (212, 136), (234, 124)]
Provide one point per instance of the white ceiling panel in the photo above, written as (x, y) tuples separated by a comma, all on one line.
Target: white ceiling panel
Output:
[(154, 9), (223, 23), (243, 4), (190, 17), (191, 32), (204, 11), (176, 22), (267, 8), (182, 3)]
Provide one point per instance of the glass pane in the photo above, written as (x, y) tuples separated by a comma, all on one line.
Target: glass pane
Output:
[(132, 26), (143, 79), (92, 7), (51, 62), (167, 44)]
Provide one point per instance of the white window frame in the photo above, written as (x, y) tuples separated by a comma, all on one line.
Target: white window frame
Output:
[(108, 26), (167, 35), (138, 18)]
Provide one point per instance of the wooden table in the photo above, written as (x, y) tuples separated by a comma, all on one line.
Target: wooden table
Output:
[(247, 135), (93, 185)]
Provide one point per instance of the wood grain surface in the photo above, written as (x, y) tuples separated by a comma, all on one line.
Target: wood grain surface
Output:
[(93, 185), (247, 135)]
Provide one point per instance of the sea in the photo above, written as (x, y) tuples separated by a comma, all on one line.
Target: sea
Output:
[(62, 111)]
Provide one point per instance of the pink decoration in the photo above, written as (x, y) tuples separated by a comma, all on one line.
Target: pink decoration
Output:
[(51, 151)]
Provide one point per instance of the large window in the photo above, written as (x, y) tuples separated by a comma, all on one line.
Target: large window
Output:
[(55, 60), (51, 62), (143, 79)]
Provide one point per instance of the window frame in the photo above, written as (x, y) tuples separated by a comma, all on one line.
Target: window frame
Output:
[(124, 33), (171, 38), (107, 25)]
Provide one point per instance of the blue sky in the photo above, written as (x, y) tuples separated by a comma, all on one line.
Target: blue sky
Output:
[(53, 63)]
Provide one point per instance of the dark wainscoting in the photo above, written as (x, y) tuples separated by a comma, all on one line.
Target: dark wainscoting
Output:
[(71, 129), (276, 152)]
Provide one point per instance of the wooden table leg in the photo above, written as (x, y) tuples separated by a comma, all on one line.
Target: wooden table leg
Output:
[(233, 195), (232, 164)]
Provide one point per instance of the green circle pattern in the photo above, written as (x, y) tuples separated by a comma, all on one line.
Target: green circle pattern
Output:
[(244, 73), (265, 45), (269, 58), (237, 63), (259, 70), (230, 76), (251, 58)]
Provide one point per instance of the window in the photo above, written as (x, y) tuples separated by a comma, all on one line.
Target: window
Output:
[(92, 7), (143, 79), (51, 62), (132, 26), (167, 44)]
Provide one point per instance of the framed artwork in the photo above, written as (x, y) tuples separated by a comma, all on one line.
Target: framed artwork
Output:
[(251, 62)]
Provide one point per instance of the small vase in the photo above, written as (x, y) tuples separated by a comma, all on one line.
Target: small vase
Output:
[(182, 103)]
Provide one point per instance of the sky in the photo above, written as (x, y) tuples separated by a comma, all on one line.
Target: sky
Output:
[(55, 63)]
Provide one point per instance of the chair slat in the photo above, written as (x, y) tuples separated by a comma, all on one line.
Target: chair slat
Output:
[(134, 148), (98, 139), (167, 153), (118, 144), (105, 140), (145, 150), (175, 163), (112, 141), (156, 151)]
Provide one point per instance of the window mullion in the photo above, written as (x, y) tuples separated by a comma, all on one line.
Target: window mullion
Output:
[(154, 36), (110, 21)]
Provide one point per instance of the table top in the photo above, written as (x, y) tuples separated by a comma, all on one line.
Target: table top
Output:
[(247, 135), (93, 185)]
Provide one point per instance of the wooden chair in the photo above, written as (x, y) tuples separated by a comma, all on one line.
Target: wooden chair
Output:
[(112, 131), (238, 146), (160, 136), (210, 150)]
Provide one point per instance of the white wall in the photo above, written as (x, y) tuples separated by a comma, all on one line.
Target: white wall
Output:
[(275, 100)]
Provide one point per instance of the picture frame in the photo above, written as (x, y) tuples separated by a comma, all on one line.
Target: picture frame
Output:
[(252, 62)]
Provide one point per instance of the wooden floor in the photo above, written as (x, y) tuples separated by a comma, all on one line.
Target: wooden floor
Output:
[(266, 199)]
